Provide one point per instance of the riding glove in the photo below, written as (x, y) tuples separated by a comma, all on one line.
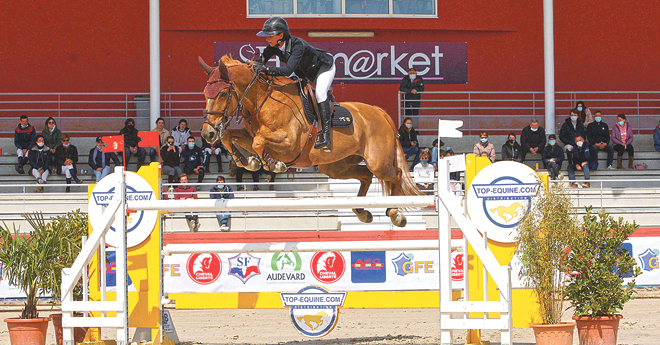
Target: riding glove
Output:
[(259, 68)]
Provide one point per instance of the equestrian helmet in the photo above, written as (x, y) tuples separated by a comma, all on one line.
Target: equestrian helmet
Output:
[(274, 26)]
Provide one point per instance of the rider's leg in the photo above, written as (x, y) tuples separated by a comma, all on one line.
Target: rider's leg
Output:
[(323, 82)]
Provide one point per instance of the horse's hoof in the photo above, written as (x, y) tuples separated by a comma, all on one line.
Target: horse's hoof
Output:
[(397, 218), (280, 167), (364, 216), (253, 164)]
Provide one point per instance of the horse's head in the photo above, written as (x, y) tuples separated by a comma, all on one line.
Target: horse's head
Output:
[(221, 100)]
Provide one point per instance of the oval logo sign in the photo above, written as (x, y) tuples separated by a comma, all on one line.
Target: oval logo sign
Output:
[(204, 269), (328, 267), (314, 310)]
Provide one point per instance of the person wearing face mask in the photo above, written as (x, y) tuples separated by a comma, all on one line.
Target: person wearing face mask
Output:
[(40, 161), (484, 148), (194, 159), (66, 157), (622, 137), (511, 149), (52, 135), (24, 138), (408, 138), (162, 137), (598, 134), (222, 191), (169, 153), (412, 85), (532, 140), (187, 192), (131, 140), (424, 172), (584, 160), (571, 127), (99, 161), (584, 114), (553, 157), (181, 133)]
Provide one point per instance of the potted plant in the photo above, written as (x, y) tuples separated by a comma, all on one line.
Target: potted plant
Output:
[(33, 262), (544, 235), (598, 264)]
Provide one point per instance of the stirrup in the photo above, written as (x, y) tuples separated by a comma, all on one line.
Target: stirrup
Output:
[(322, 144)]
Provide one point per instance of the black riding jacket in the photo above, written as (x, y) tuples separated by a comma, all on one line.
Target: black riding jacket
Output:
[(300, 57)]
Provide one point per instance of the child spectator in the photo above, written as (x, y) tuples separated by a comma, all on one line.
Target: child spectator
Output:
[(193, 159), (162, 138), (181, 134), (169, 153), (52, 135), (184, 191), (553, 157), (131, 140), (99, 161), (622, 137), (424, 172), (40, 162), (483, 148), (66, 158), (511, 149), (24, 138), (222, 191)]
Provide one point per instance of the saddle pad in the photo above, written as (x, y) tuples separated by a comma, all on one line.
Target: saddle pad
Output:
[(341, 117)]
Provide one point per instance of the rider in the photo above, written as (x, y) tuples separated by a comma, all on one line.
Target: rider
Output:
[(306, 62)]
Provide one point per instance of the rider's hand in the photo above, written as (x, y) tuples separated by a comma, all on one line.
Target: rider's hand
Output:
[(259, 68)]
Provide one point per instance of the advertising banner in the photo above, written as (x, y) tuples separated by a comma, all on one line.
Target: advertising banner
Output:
[(646, 251), (375, 62)]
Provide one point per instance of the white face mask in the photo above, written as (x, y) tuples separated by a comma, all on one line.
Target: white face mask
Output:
[(412, 76), (408, 125), (40, 144), (534, 129), (579, 143)]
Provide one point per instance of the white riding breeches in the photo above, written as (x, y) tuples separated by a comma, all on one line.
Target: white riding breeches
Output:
[(323, 83), (44, 175), (66, 169)]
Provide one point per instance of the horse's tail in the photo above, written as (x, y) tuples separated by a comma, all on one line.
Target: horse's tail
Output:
[(407, 185)]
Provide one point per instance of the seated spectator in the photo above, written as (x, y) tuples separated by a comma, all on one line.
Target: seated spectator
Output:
[(216, 150), (424, 172), (24, 138), (583, 160), (436, 151), (222, 191), (52, 136), (408, 139), (598, 135), (511, 149), (532, 140), (656, 138), (181, 134), (40, 162), (239, 178), (99, 161), (553, 157), (169, 153), (194, 159), (483, 148), (571, 127), (162, 138), (131, 140), (584, 114), (454, 177), (66, 158), (184, 192), (622, 137)]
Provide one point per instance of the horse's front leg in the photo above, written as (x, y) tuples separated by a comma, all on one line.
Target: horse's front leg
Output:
[(243, 139), (268, 163)]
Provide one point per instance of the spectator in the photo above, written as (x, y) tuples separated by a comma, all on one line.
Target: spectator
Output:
[(52, 136), (24, 138), (454, 177), (184, 192), (483, 148), (584, 113), (169, 153), (436, 151), (66, 157), (408, 139), (131, 140), (216, 150), (412, 85), (568, 131), (222, 191), (511, 149), (622, 137), (598, 134), (424, 172), (239, 178), (181, 134), (553, 157), (584, 159), (270, 179), (532, 140), (162, 137), (99, 161), (40, 162), (656, 138), (194, 159)]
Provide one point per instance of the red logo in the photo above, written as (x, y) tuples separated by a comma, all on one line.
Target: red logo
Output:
[(456, 266), (204, 269), (328, 267)]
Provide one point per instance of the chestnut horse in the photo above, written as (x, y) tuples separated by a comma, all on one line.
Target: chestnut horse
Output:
[(274, 125)]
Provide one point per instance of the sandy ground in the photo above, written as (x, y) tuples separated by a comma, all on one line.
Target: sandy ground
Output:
[(640, 325)]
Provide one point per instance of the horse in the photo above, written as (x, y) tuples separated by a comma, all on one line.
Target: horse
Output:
[(275, 128)]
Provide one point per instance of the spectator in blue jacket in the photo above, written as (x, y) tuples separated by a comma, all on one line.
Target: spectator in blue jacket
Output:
[(99, 161), (222, 191), (656, 137), (24, 138), (194, 159), (40, 161)]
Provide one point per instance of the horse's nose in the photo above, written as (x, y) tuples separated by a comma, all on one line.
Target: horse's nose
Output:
[(211, 135)]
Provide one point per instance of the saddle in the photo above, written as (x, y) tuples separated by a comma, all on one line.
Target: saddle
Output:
[(341, 117)]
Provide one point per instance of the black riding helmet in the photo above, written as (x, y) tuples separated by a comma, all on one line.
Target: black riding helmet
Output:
[(274, 26)]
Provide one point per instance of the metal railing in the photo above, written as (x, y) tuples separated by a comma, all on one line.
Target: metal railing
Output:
[(502, 111)]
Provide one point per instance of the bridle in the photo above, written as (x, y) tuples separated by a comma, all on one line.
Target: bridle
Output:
[(220, 128)]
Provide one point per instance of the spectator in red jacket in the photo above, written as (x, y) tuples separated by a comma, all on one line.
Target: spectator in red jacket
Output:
[(185, 191)]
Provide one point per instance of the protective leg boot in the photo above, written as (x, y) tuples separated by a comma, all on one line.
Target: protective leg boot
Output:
[(619, 160), (74, 176), (630, 162), (68, 181), (323, 138)]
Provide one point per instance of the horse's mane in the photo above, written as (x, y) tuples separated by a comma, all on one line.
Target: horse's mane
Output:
[(229, 61)]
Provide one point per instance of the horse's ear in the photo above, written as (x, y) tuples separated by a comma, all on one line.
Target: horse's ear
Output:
[(224, 72), (207, 69)]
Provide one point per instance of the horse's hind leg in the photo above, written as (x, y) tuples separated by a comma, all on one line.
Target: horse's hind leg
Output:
[(346, 169)]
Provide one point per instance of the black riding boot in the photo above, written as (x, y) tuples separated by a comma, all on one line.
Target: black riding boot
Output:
[(323, 137), (68, 181), (74, 175)]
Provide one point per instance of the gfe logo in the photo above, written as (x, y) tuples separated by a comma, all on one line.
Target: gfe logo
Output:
[(204, 269), (404, 264), (649, 259), (244, 266)]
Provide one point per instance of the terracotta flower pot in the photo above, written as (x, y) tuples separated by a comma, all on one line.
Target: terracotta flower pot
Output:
[(559, 334), (27, 331), (78, 332), (598, 330)]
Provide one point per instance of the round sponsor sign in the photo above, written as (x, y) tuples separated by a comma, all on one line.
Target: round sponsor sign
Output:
[(205, 268), (138, 225), (456, 266), (499, 197), (314, 310), (328, 267)]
